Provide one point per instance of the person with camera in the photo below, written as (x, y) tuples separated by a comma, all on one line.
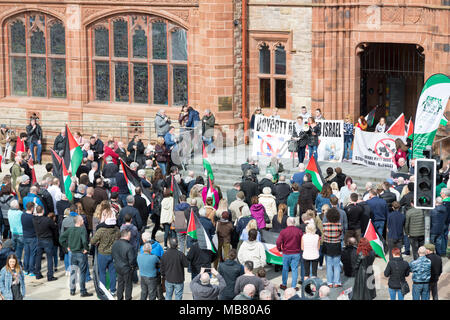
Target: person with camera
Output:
[(34, 132), (201, 286)]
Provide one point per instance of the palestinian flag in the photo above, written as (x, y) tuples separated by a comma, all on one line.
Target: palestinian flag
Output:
[(175, 190), (210, 192), (67, 182), (72, 153), (57, 169), (398, 127), (134, 181), (269, 240), (316, 174), (443, 121), (371, 117), (410, 133), (207, 165), (196, 231), (33, 173), (20, 146), (374, 240)]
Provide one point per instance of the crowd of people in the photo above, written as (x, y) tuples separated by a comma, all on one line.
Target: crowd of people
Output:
[(314, 229)]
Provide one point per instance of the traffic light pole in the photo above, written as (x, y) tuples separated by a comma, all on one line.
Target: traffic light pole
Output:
[(426, 214)]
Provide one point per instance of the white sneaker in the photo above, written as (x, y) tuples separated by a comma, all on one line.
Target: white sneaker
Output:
[(320, 267), (67, 273)]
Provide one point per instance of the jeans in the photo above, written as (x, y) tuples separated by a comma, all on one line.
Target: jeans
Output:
[(437, 240), (313, 152), (407, 245), (29, 259), (333, 269), (163, 166), (38, 152), (420, 291), (124, 283), (105, 262), (434, 290), (67, 258), (290, 260), (18, 245), (148, 288), (416, 242), (379, 226), (44, 245), (301, 154), (209, 143), (168, 233), (393, 294), (348, 147), (444, 242), (181, 241), (177, 287), (78, 262), (123, 199), (55, 256)]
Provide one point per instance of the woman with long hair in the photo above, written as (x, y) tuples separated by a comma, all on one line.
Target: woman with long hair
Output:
[(279, 221), (102, 212), (313, 137), (167, 216), (12, 281), (364, 287), (335, 189), (162, 154), (401, 148), (348, 137), (158, 191), (362, 123), (323, 197)]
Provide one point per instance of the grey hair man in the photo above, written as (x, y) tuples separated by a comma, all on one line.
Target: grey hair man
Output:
[(265, 295), (201, 286), (134, 166), (247, 293), (134, 213)]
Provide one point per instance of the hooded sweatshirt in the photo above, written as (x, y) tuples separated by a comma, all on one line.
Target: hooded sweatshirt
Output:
[(167, 210), (257, 211), (253, 251)]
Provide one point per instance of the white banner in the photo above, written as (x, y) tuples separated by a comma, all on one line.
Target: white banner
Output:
[(375, 150), (271, 137)]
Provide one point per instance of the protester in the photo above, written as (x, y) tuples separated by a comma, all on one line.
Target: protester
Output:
[(201, 286), (421, 270), (124, 257), (208, 122), (332, 232), (247, 278), (395, 226), (310, 245), (381, 125), (198, 258), (224, 231), (148, 270), (268, 286), (252, 250), (364, 287), (301, 136), (293, 199), (173, 263), (34, 132), (415, 228), (258, 212), (396, 270), (348, 138), (436, 269), (267, 199), (313, 137), (348, 257), (362, 123), (15, 223), (248, 293), (379, 211), (279, 221), (440, 218), (289, 243), (401, 150), (12, 281), (30, 240), (230, 270), (162, 123)]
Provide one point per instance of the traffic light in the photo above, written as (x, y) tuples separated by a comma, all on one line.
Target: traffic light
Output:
[(425, 184)]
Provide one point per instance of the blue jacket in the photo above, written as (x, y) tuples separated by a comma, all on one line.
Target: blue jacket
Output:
[(209, 227), (28, 226), (320, 201), (122, 183), (157, 249), (32, 198), (298, 178), (169, 140), (194, 117), (439, 220), (378, 209), (395, 224), (6, 279), (148, 265), (421, 269)]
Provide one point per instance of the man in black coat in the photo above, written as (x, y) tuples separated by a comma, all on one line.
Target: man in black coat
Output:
[(348, 257), (198, 258), (141, 205), (266, 182), (385, 194), (436, 269), (136, 149), (132, 211), (173, 263), (281, 191), (230, 270), (60, 140), (124, 257), (250, 189)]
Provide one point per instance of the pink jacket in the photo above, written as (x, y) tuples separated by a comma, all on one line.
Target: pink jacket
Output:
[(257, 211), (216, 196)]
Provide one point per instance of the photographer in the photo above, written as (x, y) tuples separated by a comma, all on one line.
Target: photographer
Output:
[(162, 123)]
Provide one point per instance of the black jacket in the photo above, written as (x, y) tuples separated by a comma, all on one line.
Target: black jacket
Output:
[(122, 154), (364, 287), (124, 256), (405, 201), (110, 170), (389, 197), (250, 189), (173, 263), (340, 180), (396, 270), (34, 134), (313, 140), (141, 205), (136, 217), (45, 228), (365, 216), (62, 205), (265, 183), (198, 258), (58, 145), (354, 215), (47, 200), (302, 136), (348, 258), (307, 198), (436, 266), (139, 151), (230, 270), (281, 192), (82, 169)]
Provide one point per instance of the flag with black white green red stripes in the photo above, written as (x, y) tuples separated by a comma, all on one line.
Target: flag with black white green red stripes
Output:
[(316, 174)]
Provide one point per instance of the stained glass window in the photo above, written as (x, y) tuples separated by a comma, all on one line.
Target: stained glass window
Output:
[(264, 59), (18, 37), (57, 39), (101, 36), (140, 75), (160, 87), (102, 80), (159, 40), (120, 38), (32, 71), (19, 76), (280, 60), (179, 45), (180, 85), (139, 64)]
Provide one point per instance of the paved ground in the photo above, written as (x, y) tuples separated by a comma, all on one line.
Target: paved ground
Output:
[(59, 290)]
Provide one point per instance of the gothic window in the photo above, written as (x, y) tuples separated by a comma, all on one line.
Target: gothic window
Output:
[(146, 61), (37, 56)]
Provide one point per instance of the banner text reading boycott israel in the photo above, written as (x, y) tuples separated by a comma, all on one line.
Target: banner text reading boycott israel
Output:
[(271, 137)]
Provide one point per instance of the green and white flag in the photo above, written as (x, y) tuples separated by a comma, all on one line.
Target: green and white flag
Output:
[(430, 112)]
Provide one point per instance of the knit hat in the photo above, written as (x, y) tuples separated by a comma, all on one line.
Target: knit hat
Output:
[(430, 246), (110, 221), (115, 189), (240, 195), (24, 178), (73, 214)]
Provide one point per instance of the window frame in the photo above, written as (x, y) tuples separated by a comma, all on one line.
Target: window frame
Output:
[(131, 60), (49, 21)]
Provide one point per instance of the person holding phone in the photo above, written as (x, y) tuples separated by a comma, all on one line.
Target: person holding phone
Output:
[(201, 286)]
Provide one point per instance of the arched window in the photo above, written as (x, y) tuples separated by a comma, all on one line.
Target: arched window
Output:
[(139, 59), (37, 56)]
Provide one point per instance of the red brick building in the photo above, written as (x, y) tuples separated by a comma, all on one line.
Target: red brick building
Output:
[(121, 61)]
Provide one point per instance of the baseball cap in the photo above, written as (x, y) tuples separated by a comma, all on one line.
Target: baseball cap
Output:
[(430, 247), (115, 189)]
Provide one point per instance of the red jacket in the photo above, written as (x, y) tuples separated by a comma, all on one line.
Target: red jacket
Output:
[(399, 154), (110, 152), (289, 240)]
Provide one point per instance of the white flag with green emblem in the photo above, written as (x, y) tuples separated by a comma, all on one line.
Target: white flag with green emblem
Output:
[(430, 111)]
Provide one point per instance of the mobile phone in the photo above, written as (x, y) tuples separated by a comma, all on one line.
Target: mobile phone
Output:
[(207, 269)]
